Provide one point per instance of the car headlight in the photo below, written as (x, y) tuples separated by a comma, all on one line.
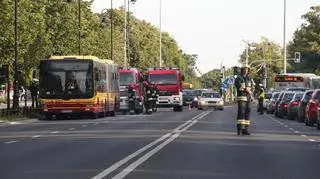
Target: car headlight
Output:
[(220, 102), (195, 99), (148, 92), (176, 98), (203, 102)]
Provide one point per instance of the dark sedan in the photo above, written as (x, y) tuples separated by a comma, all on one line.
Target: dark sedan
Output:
[(303, 104), (294, 105), (189, 98), (282, 106)]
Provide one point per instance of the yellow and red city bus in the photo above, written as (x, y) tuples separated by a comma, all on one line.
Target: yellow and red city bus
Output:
[(78, 85)]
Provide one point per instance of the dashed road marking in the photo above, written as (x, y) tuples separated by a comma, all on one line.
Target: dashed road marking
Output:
[(302, 135), (290, 129), (55, 132), (296, 131), (96, 123), (36, 136), (285, 126), (84, 126), (70, 129), (10, 142), (312, 140)]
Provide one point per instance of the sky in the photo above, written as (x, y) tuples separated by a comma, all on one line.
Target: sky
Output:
[(215, 29)]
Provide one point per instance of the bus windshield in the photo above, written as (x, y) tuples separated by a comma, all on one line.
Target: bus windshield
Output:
[(126, 78), (66, 79), (163, 79)]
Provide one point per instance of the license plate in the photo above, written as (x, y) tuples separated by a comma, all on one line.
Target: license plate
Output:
[(163, 99), (66, 111), (188, 102)]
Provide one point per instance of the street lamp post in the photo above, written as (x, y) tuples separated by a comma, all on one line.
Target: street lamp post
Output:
[(111, 30), (284, 38), (16, 44), (125, 33), (79, 27), (160, 34)]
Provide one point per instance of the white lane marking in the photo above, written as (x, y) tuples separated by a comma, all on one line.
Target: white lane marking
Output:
[(303, 135), (36, 136), (290, 129), (312, 140), (14, 123), (296, 132), (285, 126), (84, 126), (129, 157), (145, 157), (138, 162), (10, 142), (55, 132), (95, 123), (115, 166), (70, 129)]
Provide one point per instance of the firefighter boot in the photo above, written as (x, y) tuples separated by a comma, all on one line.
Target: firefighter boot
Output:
[(239, 129), (246, 132)]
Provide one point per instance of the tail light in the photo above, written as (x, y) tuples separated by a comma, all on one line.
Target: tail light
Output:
[(285, 105), (313, 104), (296, 103)]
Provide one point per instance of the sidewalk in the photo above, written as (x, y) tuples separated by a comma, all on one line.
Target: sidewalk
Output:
[(21, 104)]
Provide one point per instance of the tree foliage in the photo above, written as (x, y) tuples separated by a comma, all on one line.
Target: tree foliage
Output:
[(306, 40), (50, 27)]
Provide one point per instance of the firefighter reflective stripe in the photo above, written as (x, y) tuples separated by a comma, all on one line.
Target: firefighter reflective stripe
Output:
[(242, 87), (262, 94), (247, 122), (241, 121), (242, 98)]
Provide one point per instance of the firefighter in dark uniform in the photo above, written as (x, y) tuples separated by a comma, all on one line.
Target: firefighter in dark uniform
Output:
[(261, 98), (244, 85)]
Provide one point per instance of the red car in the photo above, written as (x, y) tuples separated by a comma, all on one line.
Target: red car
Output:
[(312, 108)]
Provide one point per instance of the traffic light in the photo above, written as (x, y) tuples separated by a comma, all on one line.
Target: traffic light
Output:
[(297, 57), (221, 75)]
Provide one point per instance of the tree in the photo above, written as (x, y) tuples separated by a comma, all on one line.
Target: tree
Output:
[(306, 41), (271, 52)]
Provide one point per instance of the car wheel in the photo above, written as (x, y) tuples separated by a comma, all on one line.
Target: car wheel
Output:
[(318, 124)]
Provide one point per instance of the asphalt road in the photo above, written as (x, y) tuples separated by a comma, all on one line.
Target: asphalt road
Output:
[(192, 144)]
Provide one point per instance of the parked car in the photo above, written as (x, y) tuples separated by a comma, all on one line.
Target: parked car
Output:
[(302, 89), (272, 102), (189, 98), (210, 100), (282, 105), (294, 105), (312, 108), (278, 101), (303, 104)]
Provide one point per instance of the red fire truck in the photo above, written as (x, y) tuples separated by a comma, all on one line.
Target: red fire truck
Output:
[(170, 84), (132, 77)]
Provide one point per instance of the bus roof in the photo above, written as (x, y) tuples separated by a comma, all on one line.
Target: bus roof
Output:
[(299, 74), (107, 61), (74, 57)]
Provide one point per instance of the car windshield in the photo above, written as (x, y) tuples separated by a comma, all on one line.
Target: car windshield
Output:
[(66, 79), (288, 97), (298, 96), (268, 95), (127, 78), (210, 95), (275, 95), (163, 79), (189, 93)]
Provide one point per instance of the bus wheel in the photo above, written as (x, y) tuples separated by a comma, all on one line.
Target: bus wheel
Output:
[(112, 113), (95, 115)]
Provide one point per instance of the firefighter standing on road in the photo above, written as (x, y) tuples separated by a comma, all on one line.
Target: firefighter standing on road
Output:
[(261, 98), (244, 85)]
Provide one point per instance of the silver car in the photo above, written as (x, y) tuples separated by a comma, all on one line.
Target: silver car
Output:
[(210, 100)]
